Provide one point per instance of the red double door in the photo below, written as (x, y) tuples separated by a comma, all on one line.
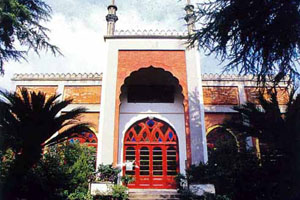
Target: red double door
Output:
[(152, 148)]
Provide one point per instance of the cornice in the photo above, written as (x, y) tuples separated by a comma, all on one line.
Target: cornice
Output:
[(148, 34), (98, 77), (58, 77), (236, 77), (227, 77)]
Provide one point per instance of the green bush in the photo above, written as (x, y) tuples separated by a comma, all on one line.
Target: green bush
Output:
[(119, 192), (6, 160), (236, 174), (127, 179), (107, 173), (62, 173)]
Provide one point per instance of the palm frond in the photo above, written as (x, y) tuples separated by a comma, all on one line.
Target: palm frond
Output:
[(71, 115), (56, 107), (51, 101), (73, 131)]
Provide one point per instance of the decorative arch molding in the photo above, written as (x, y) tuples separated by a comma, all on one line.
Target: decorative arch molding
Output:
[(167, 76), (151, 145), (153, 130), (142, 117), (136, 67)]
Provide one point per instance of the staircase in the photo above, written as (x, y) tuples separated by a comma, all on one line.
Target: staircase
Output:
[(153, 194)]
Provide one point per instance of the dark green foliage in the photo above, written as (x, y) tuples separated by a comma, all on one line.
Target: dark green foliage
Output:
[(6, 161), (257, 37), (239, 173), (20, 20), (27, 121), (62, 173), (119, 192), (236, 174), (107, 173), (79, 162), (127, 179), (279, 132)]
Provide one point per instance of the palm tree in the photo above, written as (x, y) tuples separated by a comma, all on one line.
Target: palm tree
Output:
[(279, 132), (28, 123)]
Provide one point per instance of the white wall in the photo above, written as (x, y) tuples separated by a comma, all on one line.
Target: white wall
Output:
[(172, 113), (107, 113)]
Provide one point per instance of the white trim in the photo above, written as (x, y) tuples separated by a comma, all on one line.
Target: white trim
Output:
[(202, 110), (219, 109)]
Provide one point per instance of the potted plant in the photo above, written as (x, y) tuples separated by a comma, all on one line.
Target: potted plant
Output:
[(104, 179)]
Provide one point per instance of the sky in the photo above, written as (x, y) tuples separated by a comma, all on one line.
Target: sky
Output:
[(78, 26)]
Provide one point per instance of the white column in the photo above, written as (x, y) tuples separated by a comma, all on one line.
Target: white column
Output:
[(107, 109), (196, 107)]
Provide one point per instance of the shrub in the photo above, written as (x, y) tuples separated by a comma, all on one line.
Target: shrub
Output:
[(127, 179), (236, 174), (120, 192), (107, 173), (62, 173)]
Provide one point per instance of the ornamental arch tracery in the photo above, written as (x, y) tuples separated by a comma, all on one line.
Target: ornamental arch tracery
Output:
[(152, 145)]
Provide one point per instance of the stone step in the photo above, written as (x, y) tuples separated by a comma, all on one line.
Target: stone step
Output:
[(153, 194)]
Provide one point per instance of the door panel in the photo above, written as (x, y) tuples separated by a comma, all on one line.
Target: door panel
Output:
[(171, 161), (144, 161), (157, 162), (131, 157), (152, 145)]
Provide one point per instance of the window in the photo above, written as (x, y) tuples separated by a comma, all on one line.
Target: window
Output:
[(151, 94)]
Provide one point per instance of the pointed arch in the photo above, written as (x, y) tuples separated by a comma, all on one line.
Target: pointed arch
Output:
[(152, 146)]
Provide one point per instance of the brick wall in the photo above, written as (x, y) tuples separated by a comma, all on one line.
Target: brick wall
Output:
[(93, 118), (90, 117), (48, 90), (220, 95), (83, 94), (213, 119), (252, 95)]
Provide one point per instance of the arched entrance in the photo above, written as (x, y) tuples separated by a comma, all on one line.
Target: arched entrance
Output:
[(152, 146)]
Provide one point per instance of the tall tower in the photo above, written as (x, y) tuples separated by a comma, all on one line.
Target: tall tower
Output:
[(111, 18), (151, 105), (190, 17)]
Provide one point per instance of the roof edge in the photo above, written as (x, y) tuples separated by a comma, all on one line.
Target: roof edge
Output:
[(57, 77)]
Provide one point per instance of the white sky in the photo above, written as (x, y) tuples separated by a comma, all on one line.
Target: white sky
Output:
[(77, 28)]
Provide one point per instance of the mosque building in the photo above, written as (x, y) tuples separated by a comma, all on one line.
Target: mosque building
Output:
[(151, 106)]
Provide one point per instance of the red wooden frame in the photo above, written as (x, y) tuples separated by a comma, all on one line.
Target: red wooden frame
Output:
[(154, 142)]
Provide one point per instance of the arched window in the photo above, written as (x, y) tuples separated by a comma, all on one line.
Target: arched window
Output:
[(219, 134), (88, 138), (151, 144)]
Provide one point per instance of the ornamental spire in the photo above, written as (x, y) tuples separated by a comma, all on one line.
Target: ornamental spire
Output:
[(111, 18), (190, 17)]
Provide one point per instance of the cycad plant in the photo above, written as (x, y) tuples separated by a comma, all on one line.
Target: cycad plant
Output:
[(28, 122), (278, 129)]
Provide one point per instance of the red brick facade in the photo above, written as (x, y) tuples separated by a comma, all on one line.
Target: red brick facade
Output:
[(83, 94), (252, 95), (220, 95), (130, 61), (48, 90), (93, 118), (213, 119)]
